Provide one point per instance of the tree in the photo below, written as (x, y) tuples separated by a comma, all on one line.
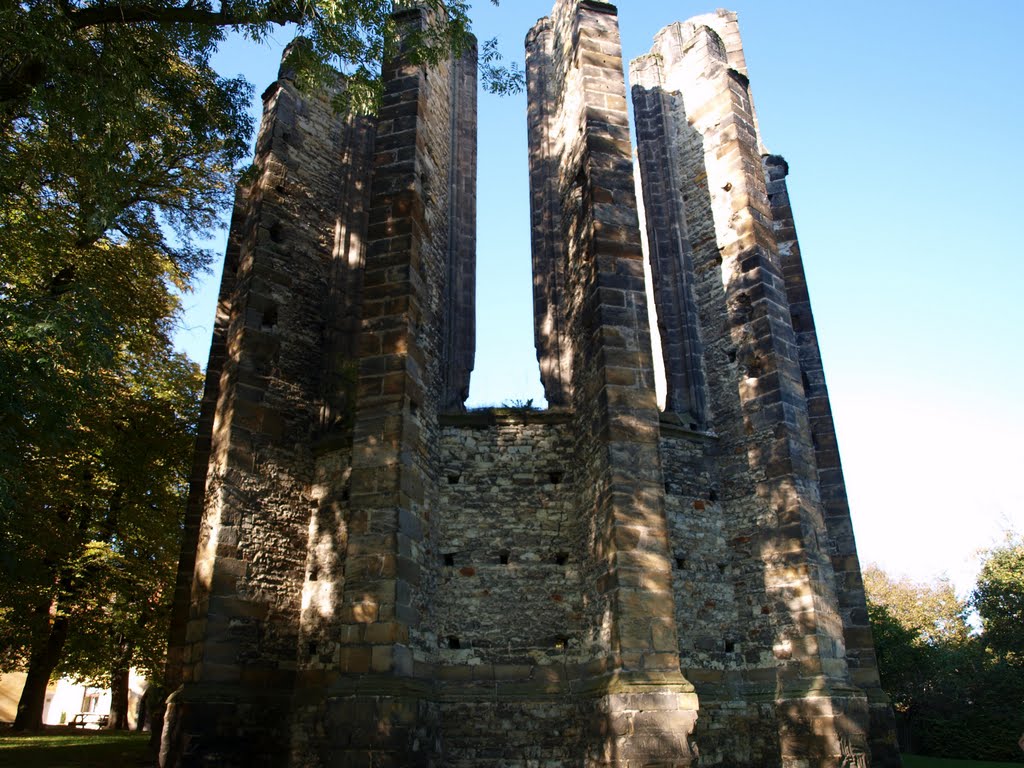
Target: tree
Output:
[(953, 695), (108, 170), (932, 612), (88, 268), (119, 145), (999, 598), (921, 633), (85, 319), (902, 659), (122, 615), (91, 550), (352, 37)]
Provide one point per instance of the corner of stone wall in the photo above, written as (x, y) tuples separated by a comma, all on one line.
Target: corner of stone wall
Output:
[(414, 358), (586, 233), (857, 634), (238, 609), (700, 158)]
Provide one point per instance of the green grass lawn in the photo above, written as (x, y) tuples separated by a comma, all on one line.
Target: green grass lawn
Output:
[(75, 749), (913, 761), (59, 748)]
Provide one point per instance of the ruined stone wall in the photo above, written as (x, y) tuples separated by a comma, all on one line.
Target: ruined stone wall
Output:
[(842, 548), (551, 336), (705, 600), (700, 162), (670, 252), (720, 585), (508, 609), (604, 302), (511, 546), (644, 705), (375, 703), (373, 576), (204, 438), (459, 300), (283, 290)]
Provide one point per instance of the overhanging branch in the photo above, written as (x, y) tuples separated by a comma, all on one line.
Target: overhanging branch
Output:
[(100, 15)]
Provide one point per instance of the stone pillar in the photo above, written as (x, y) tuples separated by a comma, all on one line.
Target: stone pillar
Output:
[(821, 716), (551, 337), (204, 437), (238, 652), (378, 711), (460, 280), (343, 302), (860, 644), (581, 160), (669, 244), (726, 25), (326, 541)]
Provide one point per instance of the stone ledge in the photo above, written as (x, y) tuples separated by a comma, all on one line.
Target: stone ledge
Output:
[(335, 441), (600, 6), (484, 418), (674, 425), (642, 688)]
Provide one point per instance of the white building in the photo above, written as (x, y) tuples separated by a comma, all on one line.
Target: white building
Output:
[(66, 698)]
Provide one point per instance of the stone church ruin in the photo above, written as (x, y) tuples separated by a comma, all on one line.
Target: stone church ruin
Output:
[(374, 576)]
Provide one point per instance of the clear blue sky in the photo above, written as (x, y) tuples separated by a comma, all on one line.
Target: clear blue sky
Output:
[(900, 123)]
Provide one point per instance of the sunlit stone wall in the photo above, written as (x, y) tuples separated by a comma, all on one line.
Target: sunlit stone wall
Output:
[(374, 576)]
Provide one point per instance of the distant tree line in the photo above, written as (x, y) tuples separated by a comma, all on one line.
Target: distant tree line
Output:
[(957, 691)]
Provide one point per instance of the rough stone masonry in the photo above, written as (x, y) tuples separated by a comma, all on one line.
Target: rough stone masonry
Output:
[(373, 576)]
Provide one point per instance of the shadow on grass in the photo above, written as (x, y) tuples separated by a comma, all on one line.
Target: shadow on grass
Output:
[(916, 761), (66, 748)]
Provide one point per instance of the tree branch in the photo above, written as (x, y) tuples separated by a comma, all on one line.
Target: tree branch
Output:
[(99, 15), (18, 82)]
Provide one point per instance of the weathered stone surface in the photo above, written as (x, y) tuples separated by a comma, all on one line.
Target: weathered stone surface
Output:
[(239, 622), (860, 647), (372, 575), (669, 244), (765, 579), (551, 336)]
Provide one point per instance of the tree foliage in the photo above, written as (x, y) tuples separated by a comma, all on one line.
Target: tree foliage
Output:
[(999, 598), (91, 531), (931, 612), (110, 165), (350, 36), (118, 144), (105, 179), (955, 696)]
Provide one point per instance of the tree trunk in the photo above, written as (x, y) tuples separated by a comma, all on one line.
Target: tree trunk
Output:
[(156, 706), (142, 713), (41, 665), (118, 700)]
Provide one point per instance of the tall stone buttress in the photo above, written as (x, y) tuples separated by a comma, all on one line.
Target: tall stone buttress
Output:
[(720, 230), (373, 575)]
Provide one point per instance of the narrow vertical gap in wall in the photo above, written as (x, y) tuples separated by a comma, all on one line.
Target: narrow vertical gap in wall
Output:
[(676, 347), (660, 379), (506, 370)]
